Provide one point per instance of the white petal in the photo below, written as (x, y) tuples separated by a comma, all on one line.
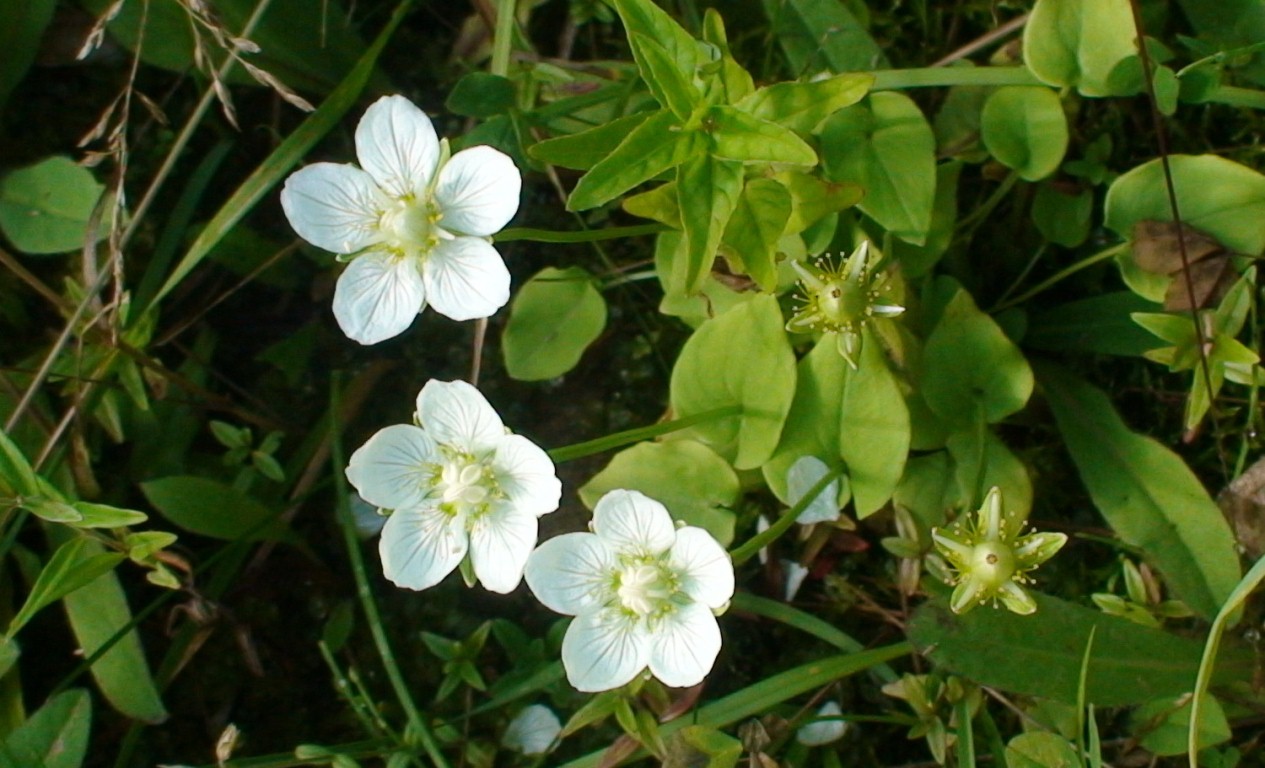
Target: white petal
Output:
[(397, 145), (572, 573), (823, 731), (335, 207), (500, 542), (478, 191), (526, 474), (391, 469), (456, 414), (604, 649), (419, 547), (631, 522), (532, 731), (377, 297), (466, 278), (800, 479), (703, 566), (684, 646), (793, 575)]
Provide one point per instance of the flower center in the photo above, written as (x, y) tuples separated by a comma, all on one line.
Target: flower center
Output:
[(643, 588), (841, 302), (412, 225), (992, 563), (464, 483)]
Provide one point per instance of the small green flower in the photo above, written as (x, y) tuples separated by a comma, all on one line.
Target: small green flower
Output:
[(842, 299), (991, 558)]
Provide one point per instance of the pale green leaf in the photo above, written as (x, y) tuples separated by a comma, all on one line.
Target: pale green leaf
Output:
[(1041, 749), (654, 146), (754, 229), (736, 135), (44, 208), (554, 317), (1164, 724), (1025, 129), (586, 149), (801, 106), (707, 193), (1078, 42), (874, 428), (670, 86)]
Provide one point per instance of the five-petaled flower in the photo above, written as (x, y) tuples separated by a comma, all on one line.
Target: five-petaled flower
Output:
[(643, 593), (414, 222), (459, 485)]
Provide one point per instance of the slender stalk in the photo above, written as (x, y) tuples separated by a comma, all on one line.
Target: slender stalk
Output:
[(754, 544), (587, 236), (503, 37), (628, 436), (1060, 276), (417, 724)]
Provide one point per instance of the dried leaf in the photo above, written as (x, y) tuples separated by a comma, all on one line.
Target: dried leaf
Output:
[(1243, 503), (1156, 247), (1210, 279)]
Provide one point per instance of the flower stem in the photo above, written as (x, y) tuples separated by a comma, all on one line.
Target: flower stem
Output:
[(601, 444), (1060, 276), (503, 37), (587, 236), (754, 544), (417, 725)]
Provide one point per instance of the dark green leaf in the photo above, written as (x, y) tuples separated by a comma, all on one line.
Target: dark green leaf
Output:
[(481, 95), (209, 508), (56, 736), (816, 36), (22, 27), (1099, 324), (67, 570)]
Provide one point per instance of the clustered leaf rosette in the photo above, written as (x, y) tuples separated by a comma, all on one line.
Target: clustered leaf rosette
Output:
[(991, 557), (459, 485), (413, 221), (643, 593), (842, 299)]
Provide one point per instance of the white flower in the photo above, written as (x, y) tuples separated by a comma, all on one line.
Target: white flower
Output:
[(828, 726), (459, 484), (793, 574), (642, 592), (534, 731), (415, 221), (806, 472)]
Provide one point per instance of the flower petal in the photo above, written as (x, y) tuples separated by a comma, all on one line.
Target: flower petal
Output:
[(397, 145), (572, 573), (604, 649), (800, 479), (377, 297), (826, 727), (631, 522), (533, 731), (478, 191), (457, 415), (335, 207), (421, 546), (466, 278), (703, 566), (527, 476), (500, 542), (391, 469), (684, 646)]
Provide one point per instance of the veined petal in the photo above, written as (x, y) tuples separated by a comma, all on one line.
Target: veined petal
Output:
[(456, 414), (806, 472), (705, 571), (392, 468), (335, 207), (500, 541), (604, 649), (478, 191), (421, 546), (526, 474), (629, 521), (684, 646), (377, 297), (397, 145), (466, 278), (572, 573)]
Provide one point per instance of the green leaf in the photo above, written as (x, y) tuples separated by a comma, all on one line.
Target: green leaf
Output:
[(1078, 42), (9, 653), (1041, 654), (740, 358), (1025, 129), (105, 516), (812, 424), (284, 157), (1062, 217), (210, 508), (816, 36), (757, 223), (918, 260), (697, 746), (982, 461), (1164, 724), (1215, 195), (970, 369), (97, 611), (885, 145), (1146, 492), (56, 736), (1041, 749), (44, 208), (707, 193), (67, 570), (581, 151), (481, 95), (1101, 324), (802, 106), (654, 146), (736, 135), (22, 28), (16, 476), (645, 18), (697, 486), (874, 429), (554, 317), (813, 199), (52, 510), (670, 86)]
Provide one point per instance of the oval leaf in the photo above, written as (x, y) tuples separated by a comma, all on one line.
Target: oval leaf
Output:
[(554, 317), (44, 208), (1025, 129), (207, 507), (1078, 42), (873, 428)]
